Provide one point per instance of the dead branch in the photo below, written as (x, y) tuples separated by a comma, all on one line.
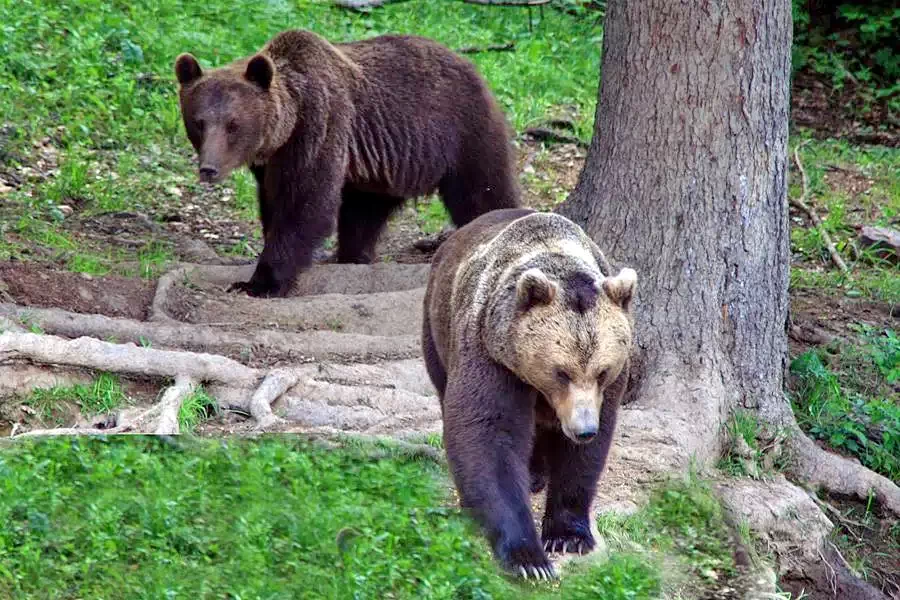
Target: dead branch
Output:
[(507, 47), (802, 204)]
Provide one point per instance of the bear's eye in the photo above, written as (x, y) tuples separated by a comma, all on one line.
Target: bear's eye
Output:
[(200, 125), (562, 376), (601, 377), (231, 127)]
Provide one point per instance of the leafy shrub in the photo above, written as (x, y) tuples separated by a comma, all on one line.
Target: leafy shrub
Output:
[(849, 421), (850, 42)]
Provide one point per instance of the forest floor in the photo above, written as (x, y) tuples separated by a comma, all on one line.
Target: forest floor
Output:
[(99, 202)]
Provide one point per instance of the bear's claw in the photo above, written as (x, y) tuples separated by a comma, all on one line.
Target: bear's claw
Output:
[(255, 289), (567, 535), (527, 561), (572, 545), (543, 573)]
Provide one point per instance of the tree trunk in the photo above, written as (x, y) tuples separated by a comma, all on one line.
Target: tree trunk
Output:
[(685, 181)]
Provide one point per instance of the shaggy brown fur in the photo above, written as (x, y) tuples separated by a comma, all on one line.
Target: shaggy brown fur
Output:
[(346, 132), (527, 338)]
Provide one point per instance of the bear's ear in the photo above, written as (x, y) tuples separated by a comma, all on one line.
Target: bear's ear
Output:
[(260, 71), (187, 69), (620, 288), (533, 289)]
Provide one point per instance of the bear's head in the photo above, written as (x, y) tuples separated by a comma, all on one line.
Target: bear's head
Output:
[(571, 337), (225, 111)]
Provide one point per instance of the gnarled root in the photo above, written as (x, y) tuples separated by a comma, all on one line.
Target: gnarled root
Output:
[(840, 475), (188, 368)]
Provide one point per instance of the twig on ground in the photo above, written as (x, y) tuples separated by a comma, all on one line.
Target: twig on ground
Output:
[(802, 204), (832, 580), (545, 134), (507, 47), (839, 516), (363, 5)]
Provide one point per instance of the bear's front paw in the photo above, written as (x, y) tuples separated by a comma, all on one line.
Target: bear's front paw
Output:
[(258, 289), (572, 535), (527, 560)]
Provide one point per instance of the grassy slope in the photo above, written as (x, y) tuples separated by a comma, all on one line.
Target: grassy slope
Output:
[(96, 79), (280, 518), (93, 81)]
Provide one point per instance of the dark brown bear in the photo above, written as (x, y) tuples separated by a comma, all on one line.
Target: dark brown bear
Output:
[(346, 132), (527, 337)]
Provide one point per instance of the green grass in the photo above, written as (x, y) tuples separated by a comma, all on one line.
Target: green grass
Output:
[(432, 215), (682, 518), (195, 409), (848, 186), (846, 395), (102, 396), (271, 518)]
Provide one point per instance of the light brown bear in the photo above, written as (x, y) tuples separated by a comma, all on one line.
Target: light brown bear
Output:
[(344, 133), (527, 336)]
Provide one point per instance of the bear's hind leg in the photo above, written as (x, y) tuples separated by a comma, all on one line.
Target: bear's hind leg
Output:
[(488, 429), (362, 218), (476, 189)]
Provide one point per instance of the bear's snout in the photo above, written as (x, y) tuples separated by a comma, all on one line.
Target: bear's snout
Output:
[(209, 174), (583, 425)]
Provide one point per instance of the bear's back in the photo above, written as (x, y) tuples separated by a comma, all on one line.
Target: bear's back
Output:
[(477, 266)]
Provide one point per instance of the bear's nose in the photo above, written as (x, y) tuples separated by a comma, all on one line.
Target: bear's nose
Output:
[(586, 436), (208, 173)]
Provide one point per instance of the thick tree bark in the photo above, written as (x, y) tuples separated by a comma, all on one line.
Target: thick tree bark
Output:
[(685, 181)]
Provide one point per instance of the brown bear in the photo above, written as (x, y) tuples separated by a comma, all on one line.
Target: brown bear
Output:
[(527, 336), (346, 132)]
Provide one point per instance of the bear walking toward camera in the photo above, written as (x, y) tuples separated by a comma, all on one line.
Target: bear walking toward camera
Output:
[(527, 337), (345, 133)]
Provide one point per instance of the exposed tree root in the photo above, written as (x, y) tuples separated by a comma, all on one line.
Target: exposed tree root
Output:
[(363, 398), (795, 529), (187, 368), (170, 405), (173, 334), (273, 386), (840, 475), (94, 354), (159, 419)]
